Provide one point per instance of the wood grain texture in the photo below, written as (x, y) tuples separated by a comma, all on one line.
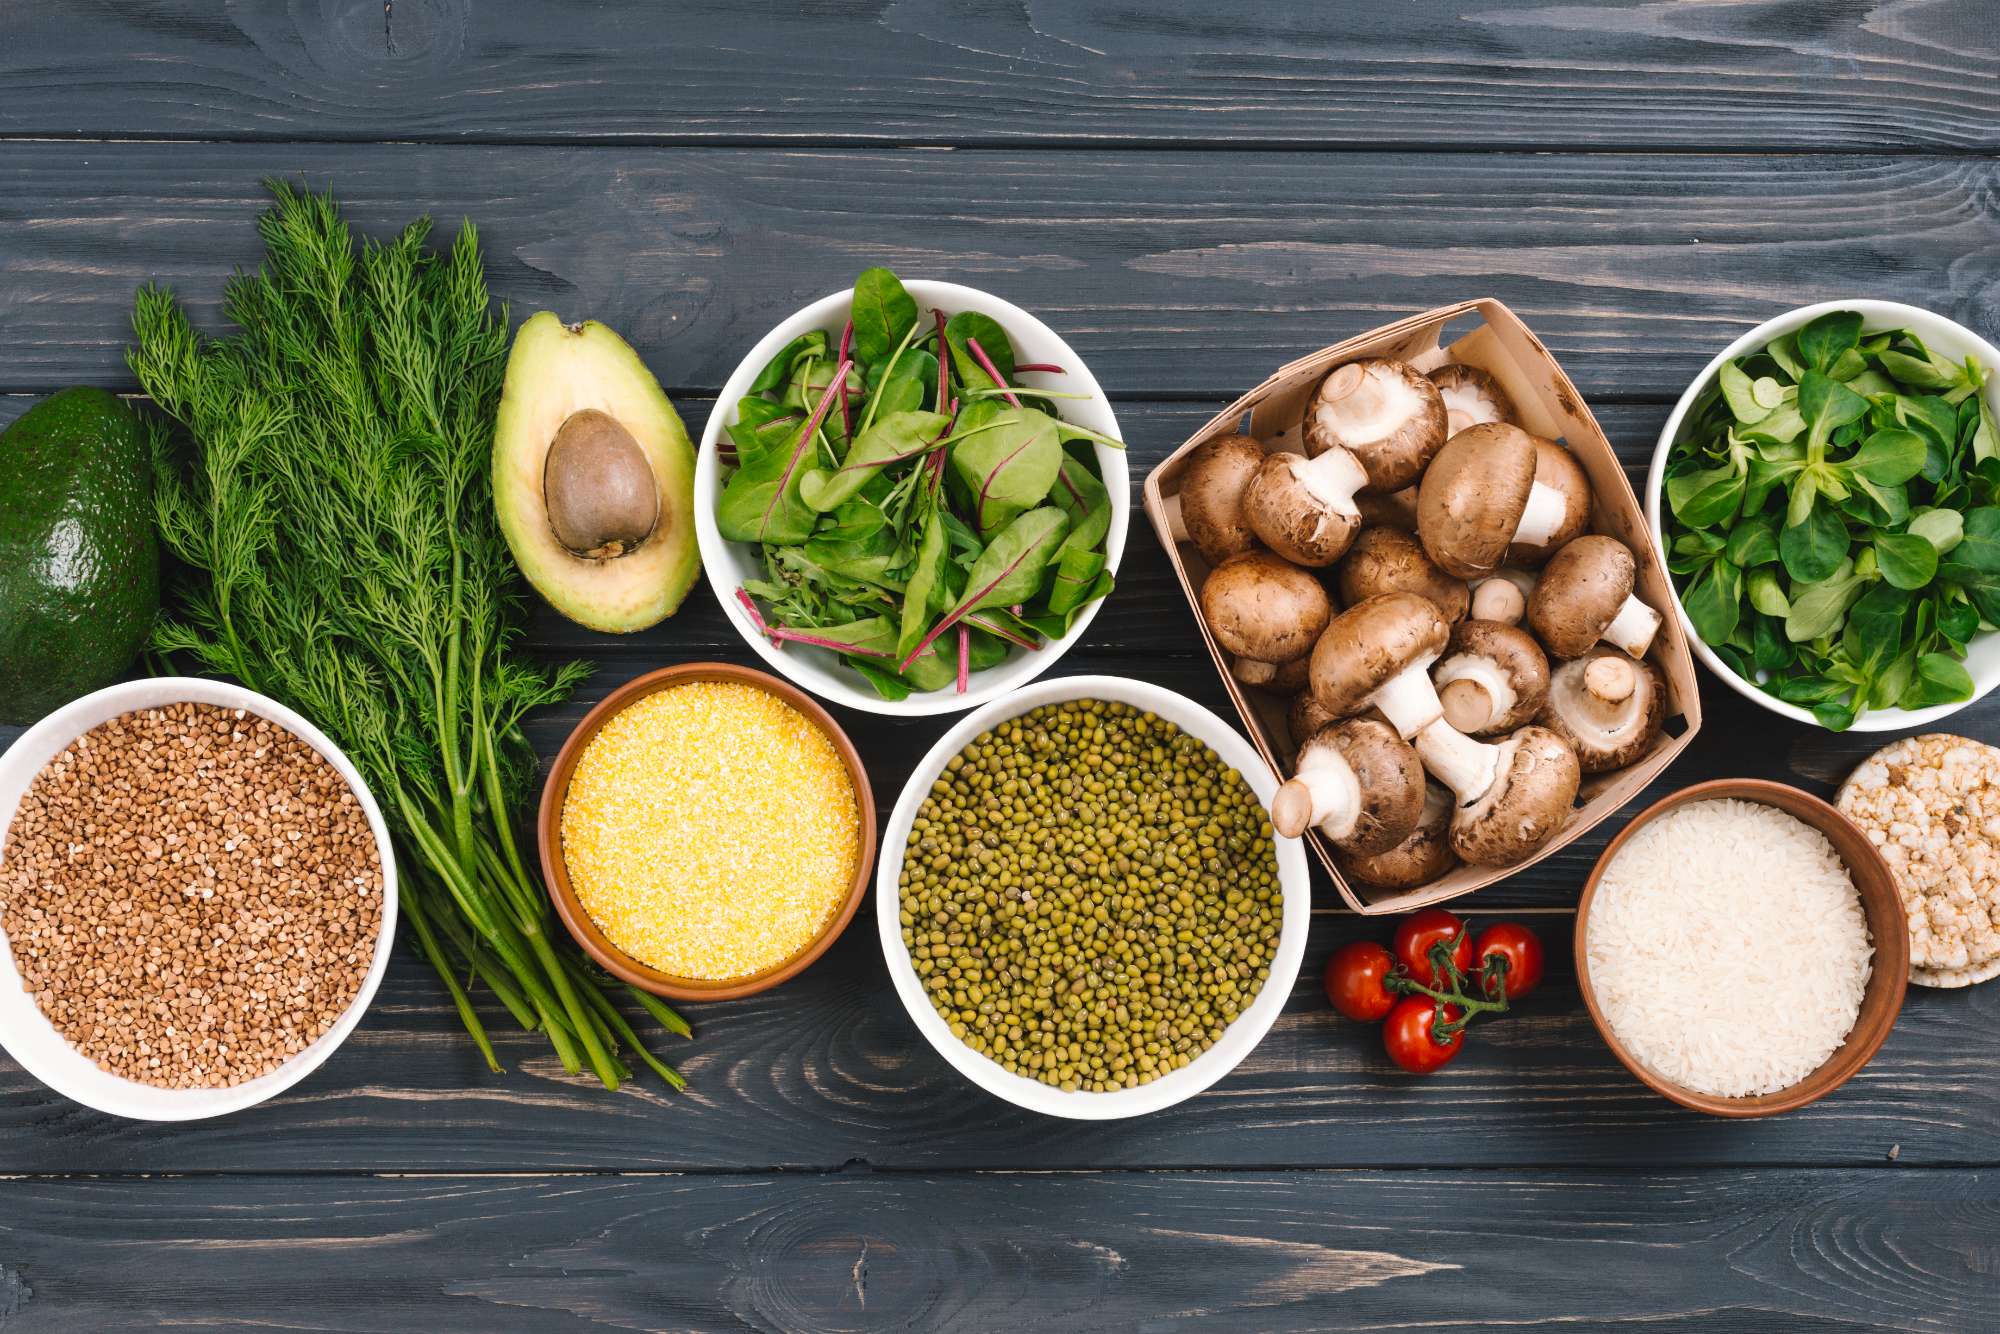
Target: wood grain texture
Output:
[(1635, 269), (829, 1070), (1748, 73), (1757, 1251)]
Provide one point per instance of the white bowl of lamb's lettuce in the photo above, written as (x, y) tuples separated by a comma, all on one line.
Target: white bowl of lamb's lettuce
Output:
[(1827, 496), (939, 538)]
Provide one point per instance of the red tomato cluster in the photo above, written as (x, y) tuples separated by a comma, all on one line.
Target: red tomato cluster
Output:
[(1432, 979)]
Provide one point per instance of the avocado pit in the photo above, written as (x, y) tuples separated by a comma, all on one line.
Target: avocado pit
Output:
[(598, 488)]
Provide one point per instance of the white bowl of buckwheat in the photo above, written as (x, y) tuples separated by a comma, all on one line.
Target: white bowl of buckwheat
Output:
[(197, 899)]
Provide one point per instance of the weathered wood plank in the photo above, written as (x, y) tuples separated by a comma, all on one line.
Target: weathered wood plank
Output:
[(1173, 274), (829, 1070), (1759, 1251), (1730, 75)]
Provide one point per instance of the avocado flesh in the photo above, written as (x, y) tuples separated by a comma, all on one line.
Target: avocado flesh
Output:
[(79, 563), (554, 371)]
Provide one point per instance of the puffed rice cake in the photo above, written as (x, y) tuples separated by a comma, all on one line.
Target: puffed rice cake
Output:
[(1931, 806)]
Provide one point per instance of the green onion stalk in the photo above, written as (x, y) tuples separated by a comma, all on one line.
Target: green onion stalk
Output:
[(325, 486)]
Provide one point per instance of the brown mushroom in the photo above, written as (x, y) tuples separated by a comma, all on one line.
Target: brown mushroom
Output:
[(1419, 859), (1304, 509), (1471, 397), (1481, 495), (1211, 494), (1305, 716), (1607, 706), (1494, 678), (1502, 596), (1384, 412), (1379, 652), (1585, 594), (1264, 609), (1513, 794), (1388, 509), (1388, 560), (1280, 678), (1557, 469), (1358, 783)]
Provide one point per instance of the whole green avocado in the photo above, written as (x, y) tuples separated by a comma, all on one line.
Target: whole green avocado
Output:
[(79, 563)]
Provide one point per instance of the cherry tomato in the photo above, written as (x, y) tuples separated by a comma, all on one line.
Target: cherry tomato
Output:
[(1354, 980), (1407, 1035), (1416, 934), (1520, 947)]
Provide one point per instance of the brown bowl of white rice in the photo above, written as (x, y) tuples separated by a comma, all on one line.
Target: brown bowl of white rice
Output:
[(1742, 948)]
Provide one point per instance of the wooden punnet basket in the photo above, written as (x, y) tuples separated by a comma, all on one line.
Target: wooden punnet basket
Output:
[(1550, 406)]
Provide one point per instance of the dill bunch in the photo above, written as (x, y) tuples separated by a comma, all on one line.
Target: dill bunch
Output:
[(329, 497)]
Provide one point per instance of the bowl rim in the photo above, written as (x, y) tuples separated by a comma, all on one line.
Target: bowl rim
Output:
[(114, 1094), (1874, 313), (555, 872), (1238, 1040), (830, 310), (1873, 882)]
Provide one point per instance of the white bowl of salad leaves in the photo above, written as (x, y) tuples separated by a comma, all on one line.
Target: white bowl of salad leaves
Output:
[(1827, 497), (916, 534)]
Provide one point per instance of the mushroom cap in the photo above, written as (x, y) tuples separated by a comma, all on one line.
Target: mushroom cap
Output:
[(1528, 803), (1557, 469), (1385, 411), (1293, 520), (1389, 774), (1420, 858), (1606, 733), (1472, 396), (1510, 651), (1212, 496), (1389, 560), (1263, 608), (1370, 643), (1388, 509), (1579, 594), (1305, 716), (1473, 495)]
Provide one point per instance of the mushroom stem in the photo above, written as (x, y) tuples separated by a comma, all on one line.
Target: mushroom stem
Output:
[(1543, 516), (1499, 597), (1350, 395), (1332, 479), (1473, 690), (1408, 699), (1252, 672), (1466, 766), (1324, 792), (1609, 680), (1633, 628)]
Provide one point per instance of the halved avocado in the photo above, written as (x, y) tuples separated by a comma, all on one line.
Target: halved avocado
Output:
[(593, 477)]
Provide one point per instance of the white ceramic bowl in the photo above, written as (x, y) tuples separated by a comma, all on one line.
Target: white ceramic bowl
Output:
[(29, 1037), (1982, 657), (728, 564), (1236, 1041)]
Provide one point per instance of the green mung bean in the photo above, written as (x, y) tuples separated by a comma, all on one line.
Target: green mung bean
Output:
[(1090, 895)]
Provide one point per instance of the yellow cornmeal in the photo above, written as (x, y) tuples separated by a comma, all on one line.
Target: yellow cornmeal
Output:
[(710, 830)]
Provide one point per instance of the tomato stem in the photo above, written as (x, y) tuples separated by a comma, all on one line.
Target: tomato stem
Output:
[(1492, 983)]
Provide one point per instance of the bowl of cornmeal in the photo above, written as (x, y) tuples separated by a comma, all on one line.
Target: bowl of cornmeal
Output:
[(707, 831)]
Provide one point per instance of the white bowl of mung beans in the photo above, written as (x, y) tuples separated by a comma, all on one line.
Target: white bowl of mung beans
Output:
[(1081, 900), (200, 891)]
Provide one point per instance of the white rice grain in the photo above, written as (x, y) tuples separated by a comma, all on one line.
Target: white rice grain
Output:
[(1728, 949)]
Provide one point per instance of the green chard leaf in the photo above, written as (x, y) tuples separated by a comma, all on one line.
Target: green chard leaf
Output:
[(1007, 465), (884, 313), (964, 328), (779, 368), (920, 595), (895, 439)]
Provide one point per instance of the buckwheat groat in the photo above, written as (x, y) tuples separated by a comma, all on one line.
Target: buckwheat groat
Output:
[(192, 895), (1931, 805)]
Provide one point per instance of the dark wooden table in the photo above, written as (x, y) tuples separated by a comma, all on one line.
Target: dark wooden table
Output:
[(1192, 193)]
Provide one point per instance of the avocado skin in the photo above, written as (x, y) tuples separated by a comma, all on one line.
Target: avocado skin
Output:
[(79, 563)]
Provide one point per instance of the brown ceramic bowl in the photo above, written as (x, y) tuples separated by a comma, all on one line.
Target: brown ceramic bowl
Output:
[(556, 873), (1880, 903)]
